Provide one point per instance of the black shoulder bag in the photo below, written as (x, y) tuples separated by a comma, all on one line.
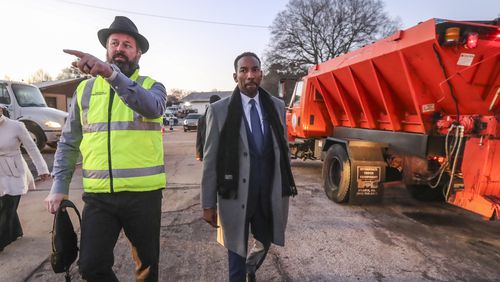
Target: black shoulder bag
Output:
[(64, 240)]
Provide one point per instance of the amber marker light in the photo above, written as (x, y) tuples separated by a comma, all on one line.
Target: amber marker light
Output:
[(452, 35)]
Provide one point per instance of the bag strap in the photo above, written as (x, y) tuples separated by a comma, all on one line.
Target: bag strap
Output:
[(66, 204), (69, 204)]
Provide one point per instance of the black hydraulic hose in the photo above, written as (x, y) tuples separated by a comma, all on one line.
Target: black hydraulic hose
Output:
[(440, 60)]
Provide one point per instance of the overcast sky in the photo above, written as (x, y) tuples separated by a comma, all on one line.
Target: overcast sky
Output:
[(183, 54)]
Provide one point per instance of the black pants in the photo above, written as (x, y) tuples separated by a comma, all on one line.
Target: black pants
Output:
[(240, 266), (104, 216), (10, 226), (261, 228)]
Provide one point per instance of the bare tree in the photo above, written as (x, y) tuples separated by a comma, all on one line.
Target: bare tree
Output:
[(69, 72), (175, 95), (171, 99), (178, 93), (308, 32), (39, 76), (276, 73)]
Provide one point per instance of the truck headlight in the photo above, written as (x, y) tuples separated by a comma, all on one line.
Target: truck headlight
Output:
[(52, 124)]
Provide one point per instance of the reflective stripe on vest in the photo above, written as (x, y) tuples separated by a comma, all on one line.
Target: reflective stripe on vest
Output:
[(121, 149), (121, 125), (131, 172)]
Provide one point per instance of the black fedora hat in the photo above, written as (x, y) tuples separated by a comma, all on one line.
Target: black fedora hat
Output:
[(123, 24)]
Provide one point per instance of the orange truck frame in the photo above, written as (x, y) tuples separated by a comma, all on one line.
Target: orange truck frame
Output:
[(422, 105)]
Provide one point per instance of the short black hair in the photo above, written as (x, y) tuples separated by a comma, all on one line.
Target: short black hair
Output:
[(214, 98), (245, 54)]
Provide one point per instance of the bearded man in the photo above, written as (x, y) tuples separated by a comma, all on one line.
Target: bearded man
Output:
[(115, 122)]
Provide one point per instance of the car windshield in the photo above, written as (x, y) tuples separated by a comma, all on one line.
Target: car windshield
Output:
[(193, 116), (28, 96)]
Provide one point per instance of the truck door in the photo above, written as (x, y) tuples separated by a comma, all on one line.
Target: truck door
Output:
[(294, 111)]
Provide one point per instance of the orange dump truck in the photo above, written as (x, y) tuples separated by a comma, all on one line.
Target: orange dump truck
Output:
[(422, 105)]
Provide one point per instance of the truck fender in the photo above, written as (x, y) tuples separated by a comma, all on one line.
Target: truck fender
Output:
[(330, 141)]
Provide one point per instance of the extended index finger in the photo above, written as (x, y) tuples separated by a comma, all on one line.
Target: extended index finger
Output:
[(77, 53)]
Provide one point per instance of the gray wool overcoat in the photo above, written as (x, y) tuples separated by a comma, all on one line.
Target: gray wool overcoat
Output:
[(232, 212)]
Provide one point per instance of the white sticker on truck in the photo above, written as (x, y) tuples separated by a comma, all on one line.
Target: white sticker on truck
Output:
[(465, 59), (428, 108)]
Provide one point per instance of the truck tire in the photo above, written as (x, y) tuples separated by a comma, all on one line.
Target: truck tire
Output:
[(37, 135), (337, 174)]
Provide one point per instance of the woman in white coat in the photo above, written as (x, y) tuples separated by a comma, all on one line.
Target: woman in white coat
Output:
[(15, 176)]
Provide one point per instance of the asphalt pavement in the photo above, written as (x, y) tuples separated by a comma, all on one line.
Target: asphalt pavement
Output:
[(399, 239)]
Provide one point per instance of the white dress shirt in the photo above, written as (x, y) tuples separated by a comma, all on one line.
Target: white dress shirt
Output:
[(245, 101)]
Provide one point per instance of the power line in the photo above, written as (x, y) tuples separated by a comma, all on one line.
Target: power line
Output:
[(161, 16)]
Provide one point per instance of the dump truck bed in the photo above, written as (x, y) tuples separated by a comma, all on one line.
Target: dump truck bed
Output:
[(409, 80)]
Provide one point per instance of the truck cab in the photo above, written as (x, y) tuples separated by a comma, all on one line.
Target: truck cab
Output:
[(25, 103), (307, 113)]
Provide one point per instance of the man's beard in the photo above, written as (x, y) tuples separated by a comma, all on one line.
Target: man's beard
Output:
[(127, 67)]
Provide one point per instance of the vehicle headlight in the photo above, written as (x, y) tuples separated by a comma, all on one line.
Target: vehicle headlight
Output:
[(52, 124)]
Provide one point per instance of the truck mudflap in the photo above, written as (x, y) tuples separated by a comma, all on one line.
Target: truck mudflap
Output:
[(368, 171)]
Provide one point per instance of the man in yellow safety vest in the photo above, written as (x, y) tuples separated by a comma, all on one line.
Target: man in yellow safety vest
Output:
[(115, 122)]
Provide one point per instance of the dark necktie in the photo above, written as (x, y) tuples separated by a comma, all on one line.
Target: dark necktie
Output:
[(258, 137)]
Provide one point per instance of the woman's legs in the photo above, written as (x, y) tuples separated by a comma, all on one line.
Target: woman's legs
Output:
[(10, 226)]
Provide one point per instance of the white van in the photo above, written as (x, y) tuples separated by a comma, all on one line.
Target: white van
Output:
[(25, 103), (172, 110)]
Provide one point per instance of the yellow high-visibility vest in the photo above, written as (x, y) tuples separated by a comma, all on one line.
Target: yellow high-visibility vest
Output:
[(122, 150)]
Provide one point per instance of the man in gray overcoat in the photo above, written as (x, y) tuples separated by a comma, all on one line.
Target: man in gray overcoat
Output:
[(247, 179)]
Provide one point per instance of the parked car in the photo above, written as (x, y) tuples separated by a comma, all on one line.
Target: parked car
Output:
[(170, 117), (191, 122)]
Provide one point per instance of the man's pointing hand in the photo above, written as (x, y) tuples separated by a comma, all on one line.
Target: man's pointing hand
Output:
[(89, 64)]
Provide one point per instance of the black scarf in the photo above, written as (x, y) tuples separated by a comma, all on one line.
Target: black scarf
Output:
[(227, 157)]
